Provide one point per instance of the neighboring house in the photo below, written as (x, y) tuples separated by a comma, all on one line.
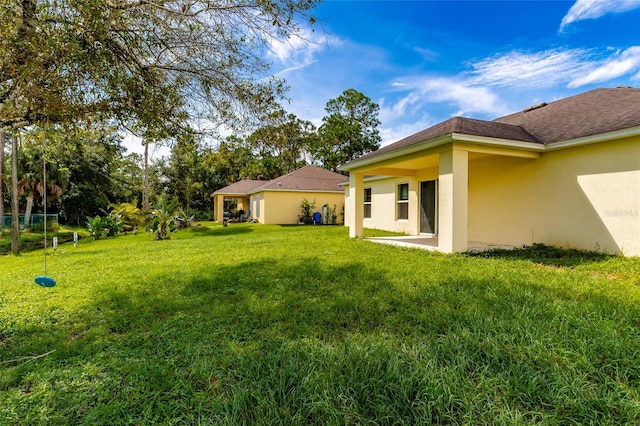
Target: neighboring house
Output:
[(239, 191), (279, 201), (565, 173)]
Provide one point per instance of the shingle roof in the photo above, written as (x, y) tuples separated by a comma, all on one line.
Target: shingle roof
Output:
[(467, 126), (307, 178), (241, 187), (590, 113)]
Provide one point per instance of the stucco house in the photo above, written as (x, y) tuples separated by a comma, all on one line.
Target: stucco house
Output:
[(566, 173), (278, 201)]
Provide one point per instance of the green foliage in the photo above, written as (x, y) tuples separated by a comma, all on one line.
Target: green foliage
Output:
[(112, 223), (281, 144), (146, 64), (164, 218), (98, 172), (129, 215), (306, 209), (332, 215), (95, 226), (302, 325), (349, 131), (187, 174)]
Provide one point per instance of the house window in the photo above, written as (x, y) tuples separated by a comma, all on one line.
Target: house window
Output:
[(367, 203), (403, 201)]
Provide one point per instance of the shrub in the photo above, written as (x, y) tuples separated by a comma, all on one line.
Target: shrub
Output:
[(307, 210), (131, 215), (95, 227), (164, 218), (332, 216)]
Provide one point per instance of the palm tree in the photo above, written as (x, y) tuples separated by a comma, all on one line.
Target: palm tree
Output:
[(33, 179)]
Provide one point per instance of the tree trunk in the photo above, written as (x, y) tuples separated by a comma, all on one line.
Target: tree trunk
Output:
[(27, 211), (15, 220), (2, 143)]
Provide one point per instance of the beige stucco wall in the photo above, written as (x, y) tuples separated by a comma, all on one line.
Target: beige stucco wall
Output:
[(585, 197), (283, 207), (256, 207), (383, 203)]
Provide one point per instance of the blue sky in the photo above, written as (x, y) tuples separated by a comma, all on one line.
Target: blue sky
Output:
[(423, 62)]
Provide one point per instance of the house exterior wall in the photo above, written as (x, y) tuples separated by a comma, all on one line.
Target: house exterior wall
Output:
[(283, 207), (384, 204), (257, 207), (585, 197)]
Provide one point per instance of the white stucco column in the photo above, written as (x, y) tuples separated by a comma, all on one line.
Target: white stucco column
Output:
[(453, 198), (355, 205), (218, 207)]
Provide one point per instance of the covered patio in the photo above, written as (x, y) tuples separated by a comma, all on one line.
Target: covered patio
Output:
[(442, 155), (430, 243), (238, 191)]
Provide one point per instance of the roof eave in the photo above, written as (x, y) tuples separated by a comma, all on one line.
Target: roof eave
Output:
[(443, 140), (601, 137), (337, 191), (416, 147)]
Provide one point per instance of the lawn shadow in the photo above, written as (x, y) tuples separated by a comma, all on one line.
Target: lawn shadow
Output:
[(172, 343), (278, 299), (466, 328), (234, 229), (545, 255)]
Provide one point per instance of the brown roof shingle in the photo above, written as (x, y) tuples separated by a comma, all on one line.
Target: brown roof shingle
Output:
[(241, 187), (590, 113), (467, 126), (307, 178)]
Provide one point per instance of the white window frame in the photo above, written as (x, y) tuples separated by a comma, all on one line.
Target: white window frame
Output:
[(400, 201), (367, 203)]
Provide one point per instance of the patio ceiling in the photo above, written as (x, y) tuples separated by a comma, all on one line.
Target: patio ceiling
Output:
[(410, 163)]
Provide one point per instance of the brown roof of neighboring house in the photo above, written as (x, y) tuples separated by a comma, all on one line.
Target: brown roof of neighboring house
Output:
[(241, 187), (590, 113), (307, 178)]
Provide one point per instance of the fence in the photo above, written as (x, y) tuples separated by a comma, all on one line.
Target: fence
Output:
[(36, 221)]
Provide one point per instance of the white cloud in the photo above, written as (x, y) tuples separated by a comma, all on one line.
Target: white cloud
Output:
[(491, 86), (592, 9), (539, 69), (394, 133), (469, 98), (427, 54), (300, 49), (398, 109), (466, 97), (620, 64)]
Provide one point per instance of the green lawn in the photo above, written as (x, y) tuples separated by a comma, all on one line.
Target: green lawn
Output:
[(254, 324)]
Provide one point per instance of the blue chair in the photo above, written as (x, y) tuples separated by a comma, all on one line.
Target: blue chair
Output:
[(317, 218)]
